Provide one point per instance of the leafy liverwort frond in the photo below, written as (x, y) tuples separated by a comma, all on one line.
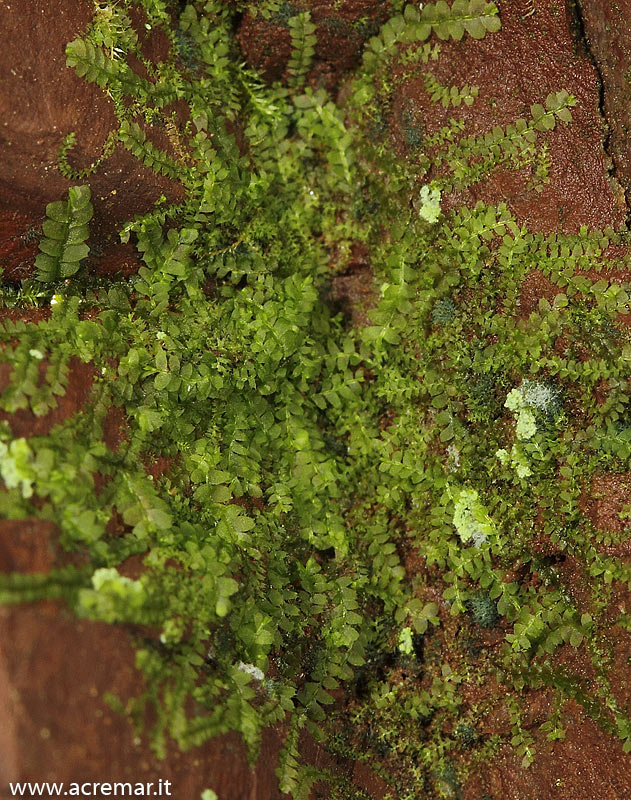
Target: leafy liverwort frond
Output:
[(65, 233)]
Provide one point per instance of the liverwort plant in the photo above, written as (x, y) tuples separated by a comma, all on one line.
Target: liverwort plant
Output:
[(300, 541)]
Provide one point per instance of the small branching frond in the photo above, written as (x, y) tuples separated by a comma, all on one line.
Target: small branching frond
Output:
[(449, 95), (303, 41), (135, 139), (69, 142), (288, 770), (56, 584), (474, 17), (91, 63)]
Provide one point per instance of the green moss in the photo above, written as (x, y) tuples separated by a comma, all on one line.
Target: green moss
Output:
[(484, 611), (443, 311), (466, 734)]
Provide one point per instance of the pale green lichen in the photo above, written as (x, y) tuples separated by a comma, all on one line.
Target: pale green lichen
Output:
[(252, 670), (405, 641), (15, 466), (471, 518), (517, 460), (514, 400), (113, 598), (526, 426), (430, 203)]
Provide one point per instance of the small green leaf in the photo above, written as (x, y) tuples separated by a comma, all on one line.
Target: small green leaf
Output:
[(242, 524), (161, 381)]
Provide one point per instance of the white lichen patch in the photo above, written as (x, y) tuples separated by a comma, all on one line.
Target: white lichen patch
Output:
[(250, 669), (539, 395)]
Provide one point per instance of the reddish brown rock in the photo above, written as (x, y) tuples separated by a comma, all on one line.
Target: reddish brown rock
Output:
[(533, 54), (608, 35), (586, 764), (534, 287), (341, 30), (41, 101), (54, 671), (77, 393), (604, 502)]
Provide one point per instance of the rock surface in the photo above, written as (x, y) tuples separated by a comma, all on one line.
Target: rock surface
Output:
[(54, 669)]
